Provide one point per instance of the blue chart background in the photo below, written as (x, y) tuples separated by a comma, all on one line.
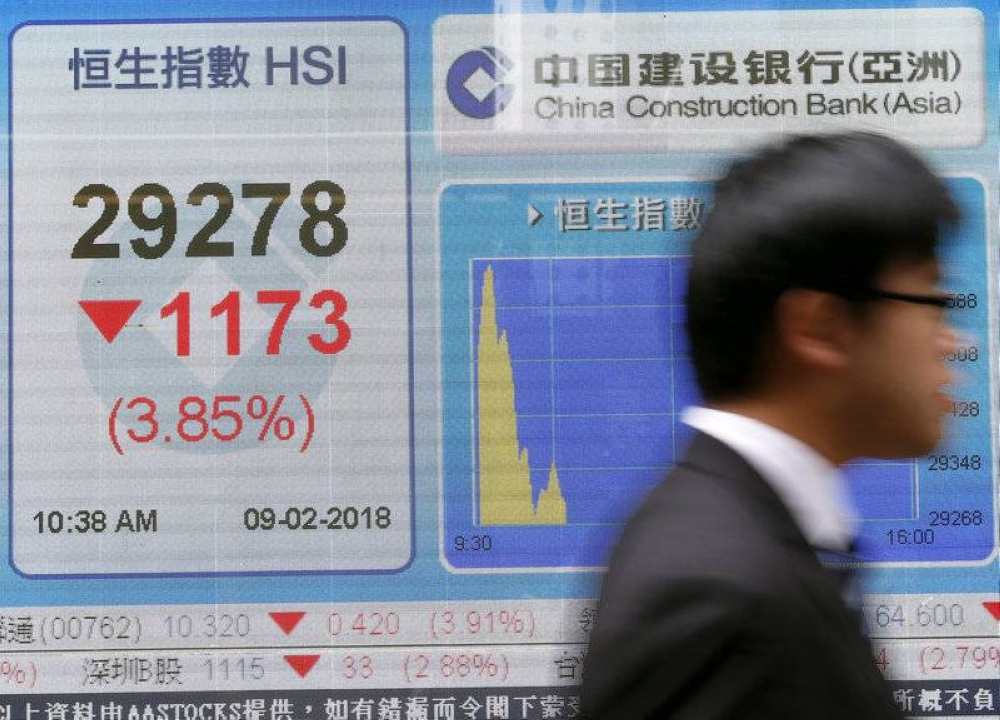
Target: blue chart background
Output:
[(596, 384), (601, 374)]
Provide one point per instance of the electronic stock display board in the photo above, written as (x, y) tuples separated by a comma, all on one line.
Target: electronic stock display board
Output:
[(342, 338)]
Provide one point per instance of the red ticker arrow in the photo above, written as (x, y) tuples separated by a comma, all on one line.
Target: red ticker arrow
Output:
[(109, 316), (301, 664), (287, 620), (993, 608)]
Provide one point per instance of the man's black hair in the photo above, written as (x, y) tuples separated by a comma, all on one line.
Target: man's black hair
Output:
[(828, 213)]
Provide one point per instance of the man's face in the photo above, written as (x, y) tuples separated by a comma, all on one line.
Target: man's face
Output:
[(898, 361)]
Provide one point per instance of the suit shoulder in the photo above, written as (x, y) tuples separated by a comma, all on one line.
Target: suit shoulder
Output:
[(697, 526)]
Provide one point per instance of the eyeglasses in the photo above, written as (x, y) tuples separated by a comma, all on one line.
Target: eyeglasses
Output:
[(942, 301)]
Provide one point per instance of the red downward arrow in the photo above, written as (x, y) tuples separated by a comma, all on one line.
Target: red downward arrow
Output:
[(301, 664), (109, 316), (993, 608), (287, 620)]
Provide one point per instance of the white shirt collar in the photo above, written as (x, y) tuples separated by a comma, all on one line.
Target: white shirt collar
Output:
[(810, 486)]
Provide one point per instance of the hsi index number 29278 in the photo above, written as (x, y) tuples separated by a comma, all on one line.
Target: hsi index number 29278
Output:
[(152, 208)]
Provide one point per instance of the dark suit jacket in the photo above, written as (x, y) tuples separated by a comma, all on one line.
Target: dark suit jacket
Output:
[(715, 606)]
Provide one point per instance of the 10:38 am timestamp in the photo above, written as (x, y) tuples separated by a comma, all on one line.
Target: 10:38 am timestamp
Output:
[(95, 521)]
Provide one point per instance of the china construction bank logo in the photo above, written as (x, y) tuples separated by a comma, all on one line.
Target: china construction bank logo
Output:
[(475, 83)]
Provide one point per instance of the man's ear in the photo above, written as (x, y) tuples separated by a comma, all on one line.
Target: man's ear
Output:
[(814, 328)]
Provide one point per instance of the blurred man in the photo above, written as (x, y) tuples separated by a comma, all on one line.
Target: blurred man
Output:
[(817, 329)]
